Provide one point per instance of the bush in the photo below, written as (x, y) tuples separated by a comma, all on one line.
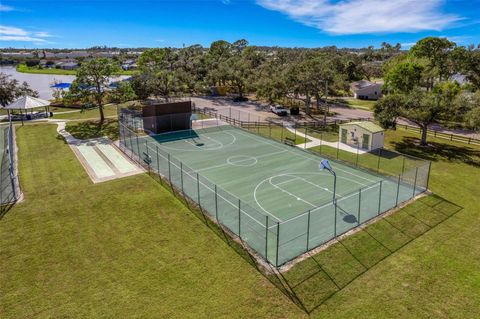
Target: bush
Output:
[(32, 62)]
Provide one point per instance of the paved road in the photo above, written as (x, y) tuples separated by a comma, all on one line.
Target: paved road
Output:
[(256, 111)]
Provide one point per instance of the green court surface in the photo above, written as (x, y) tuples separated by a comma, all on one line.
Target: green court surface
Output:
[(273, 195)]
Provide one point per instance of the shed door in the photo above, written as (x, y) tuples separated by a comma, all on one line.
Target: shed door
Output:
[(366, 141), (344, 136)]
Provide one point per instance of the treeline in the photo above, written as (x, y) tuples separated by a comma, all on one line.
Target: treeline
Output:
[(418, 82), (273, 74)]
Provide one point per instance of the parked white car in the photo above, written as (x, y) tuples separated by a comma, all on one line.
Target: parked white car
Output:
[(279, 110)]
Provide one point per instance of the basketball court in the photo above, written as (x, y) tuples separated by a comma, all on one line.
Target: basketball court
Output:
[(275, 195)]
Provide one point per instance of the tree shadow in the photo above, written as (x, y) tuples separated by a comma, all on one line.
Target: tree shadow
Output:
[(316, 279), (439, 151), (90, 129)]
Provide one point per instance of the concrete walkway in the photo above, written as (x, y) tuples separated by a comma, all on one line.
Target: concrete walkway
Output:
[(317, 142), (100, 158)]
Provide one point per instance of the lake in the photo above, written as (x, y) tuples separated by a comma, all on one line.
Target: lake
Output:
[(41, 82)]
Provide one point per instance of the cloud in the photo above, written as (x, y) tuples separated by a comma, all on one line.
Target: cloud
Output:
[(6, 8), (9, 33), (365, 16)]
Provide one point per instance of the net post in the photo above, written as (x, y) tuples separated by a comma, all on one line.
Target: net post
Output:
[(308, 228), (415, 181), (266, 238), (359, 205), (239, 220), (398, 188), (216, 203), (380, 197), (278, 243)]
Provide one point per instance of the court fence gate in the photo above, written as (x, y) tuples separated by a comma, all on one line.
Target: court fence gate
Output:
[(274, 242)]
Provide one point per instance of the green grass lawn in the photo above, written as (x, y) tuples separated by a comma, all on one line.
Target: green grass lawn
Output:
[(359, 104), (129, 248), (35, 69), (109, 110), (90, 129)]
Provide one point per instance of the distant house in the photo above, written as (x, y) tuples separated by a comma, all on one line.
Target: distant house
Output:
[(67, 65), (366, 90), (129, 65), (363, 135), (459, 78)]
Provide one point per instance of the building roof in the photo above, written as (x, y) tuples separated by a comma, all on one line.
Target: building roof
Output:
[(366, 125), (27, 102), (363, 84)]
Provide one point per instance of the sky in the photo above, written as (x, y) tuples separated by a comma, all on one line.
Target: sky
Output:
[(286, 23)]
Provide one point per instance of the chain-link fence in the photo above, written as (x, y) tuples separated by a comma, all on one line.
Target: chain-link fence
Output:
[(8, 177), (277, 242)]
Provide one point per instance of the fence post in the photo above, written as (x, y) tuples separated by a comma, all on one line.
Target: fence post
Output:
[(380, 198), (158, 164), (321, 140), (198, 191), (281, 136), (338, 148), (415, 181), (169, 169), (356, 161), (278, 243), (266, 238), (428, 176), (181, 177), (398, 189), (216, 203), (305, 139), (308, 229), (239, 220), (138, 149), (295, 134), (403, 164), (359, 204), (378, 162), (335, 223), (270, 129)]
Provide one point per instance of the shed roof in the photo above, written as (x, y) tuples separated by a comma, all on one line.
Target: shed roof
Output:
[(366, 125)]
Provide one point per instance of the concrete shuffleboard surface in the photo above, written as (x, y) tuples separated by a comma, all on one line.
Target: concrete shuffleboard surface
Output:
[(100, 158)]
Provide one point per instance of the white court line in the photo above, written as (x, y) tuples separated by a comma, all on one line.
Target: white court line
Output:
[(256, 139), (325, 205), (293, 195), (234, 205), (247, 159)]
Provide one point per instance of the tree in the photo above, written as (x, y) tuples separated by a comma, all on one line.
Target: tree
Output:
[(422, 108), (404, 76), (437, 52), (93, 79), (122, 93), (387, 110), (11, 89)]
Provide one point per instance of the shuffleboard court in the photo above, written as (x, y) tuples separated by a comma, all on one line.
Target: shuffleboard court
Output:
[(265, 189)]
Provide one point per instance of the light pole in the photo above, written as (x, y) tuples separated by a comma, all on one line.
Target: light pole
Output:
[(325, 164)]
